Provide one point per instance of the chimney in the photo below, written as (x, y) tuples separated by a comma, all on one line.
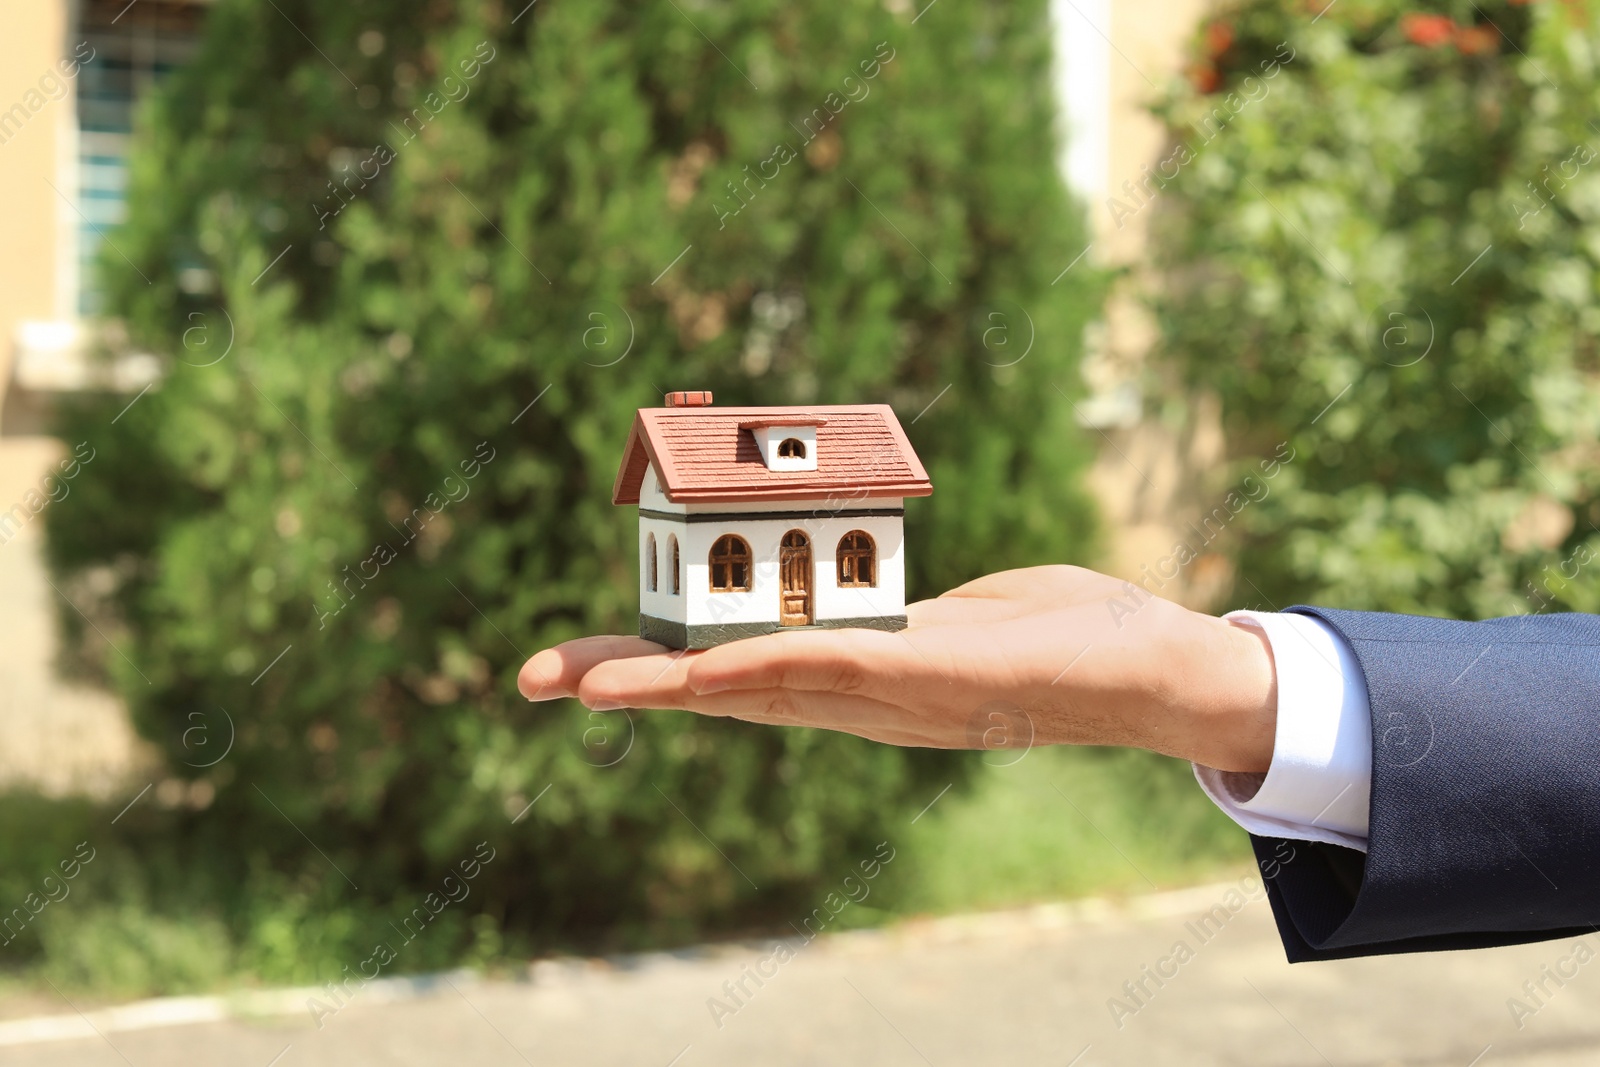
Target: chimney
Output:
[(698, 399)]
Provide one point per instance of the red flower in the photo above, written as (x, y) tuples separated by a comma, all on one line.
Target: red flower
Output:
[(1476, 40), (1430, 31), (1204, 77), (1219, 38)]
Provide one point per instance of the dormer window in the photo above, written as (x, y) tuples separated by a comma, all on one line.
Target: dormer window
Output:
[(786, 442)]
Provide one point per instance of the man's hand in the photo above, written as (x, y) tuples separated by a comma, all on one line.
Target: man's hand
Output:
[(1151, 674)]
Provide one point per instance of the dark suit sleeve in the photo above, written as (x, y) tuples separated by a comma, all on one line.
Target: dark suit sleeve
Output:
[(1485, 806)]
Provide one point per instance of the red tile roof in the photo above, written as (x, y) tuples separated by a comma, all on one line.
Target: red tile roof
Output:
[(708, 455)]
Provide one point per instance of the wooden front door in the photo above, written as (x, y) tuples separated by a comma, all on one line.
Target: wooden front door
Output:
[(794, 586)]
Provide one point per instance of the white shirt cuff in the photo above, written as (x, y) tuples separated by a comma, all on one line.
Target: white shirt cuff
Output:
[(1318, 786)]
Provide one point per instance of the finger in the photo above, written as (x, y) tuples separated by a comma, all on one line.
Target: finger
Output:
[(556, 672), (843, 713), (838, 661), (861, 716), (650, 681)]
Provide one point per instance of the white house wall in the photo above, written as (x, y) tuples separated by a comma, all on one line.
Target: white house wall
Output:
[(698, 617), (661, 603), (651, 498), (760, 604)]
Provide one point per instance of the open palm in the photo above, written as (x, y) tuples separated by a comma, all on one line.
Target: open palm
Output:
[(1039, 653)]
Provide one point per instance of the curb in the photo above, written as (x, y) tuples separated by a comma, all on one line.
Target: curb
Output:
[(189, 1011)]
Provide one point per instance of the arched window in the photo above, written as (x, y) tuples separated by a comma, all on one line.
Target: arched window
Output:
[(730, 565), (792, 448), (672, 554), (650, 574), (858, 559)]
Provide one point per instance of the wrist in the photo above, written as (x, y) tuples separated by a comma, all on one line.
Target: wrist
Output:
[(1231, 698)]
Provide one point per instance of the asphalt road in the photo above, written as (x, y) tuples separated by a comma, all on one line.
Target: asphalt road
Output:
[(1036, 987)]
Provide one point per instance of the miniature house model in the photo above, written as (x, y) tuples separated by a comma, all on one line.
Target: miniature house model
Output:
[(753, 520)]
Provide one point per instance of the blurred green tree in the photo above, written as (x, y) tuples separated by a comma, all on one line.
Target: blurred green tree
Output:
[(1384, 254), (415, 264)]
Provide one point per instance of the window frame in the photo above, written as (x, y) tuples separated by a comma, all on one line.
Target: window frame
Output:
[(132, 56), (798, 451), (854, 554), (735, 553)]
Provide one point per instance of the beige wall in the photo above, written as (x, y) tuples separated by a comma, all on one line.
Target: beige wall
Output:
[(33, 41), (1152, 40), (55, 735), (1150, 474)]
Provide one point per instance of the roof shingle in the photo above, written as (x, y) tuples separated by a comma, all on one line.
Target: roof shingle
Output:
[(708, 455)]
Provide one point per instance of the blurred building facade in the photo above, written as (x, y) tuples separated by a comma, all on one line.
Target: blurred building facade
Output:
[(71, 75)]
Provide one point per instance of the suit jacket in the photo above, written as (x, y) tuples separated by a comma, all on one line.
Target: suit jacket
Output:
[(1485, 805)]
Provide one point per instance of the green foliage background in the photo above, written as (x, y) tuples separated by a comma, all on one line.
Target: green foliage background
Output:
[(506, 292), (1322, 273)]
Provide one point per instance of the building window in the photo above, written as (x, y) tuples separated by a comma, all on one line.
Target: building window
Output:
[(650, 574), (672, 553), (730, 565), (792, 448), (135, 48), (858, 559)]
